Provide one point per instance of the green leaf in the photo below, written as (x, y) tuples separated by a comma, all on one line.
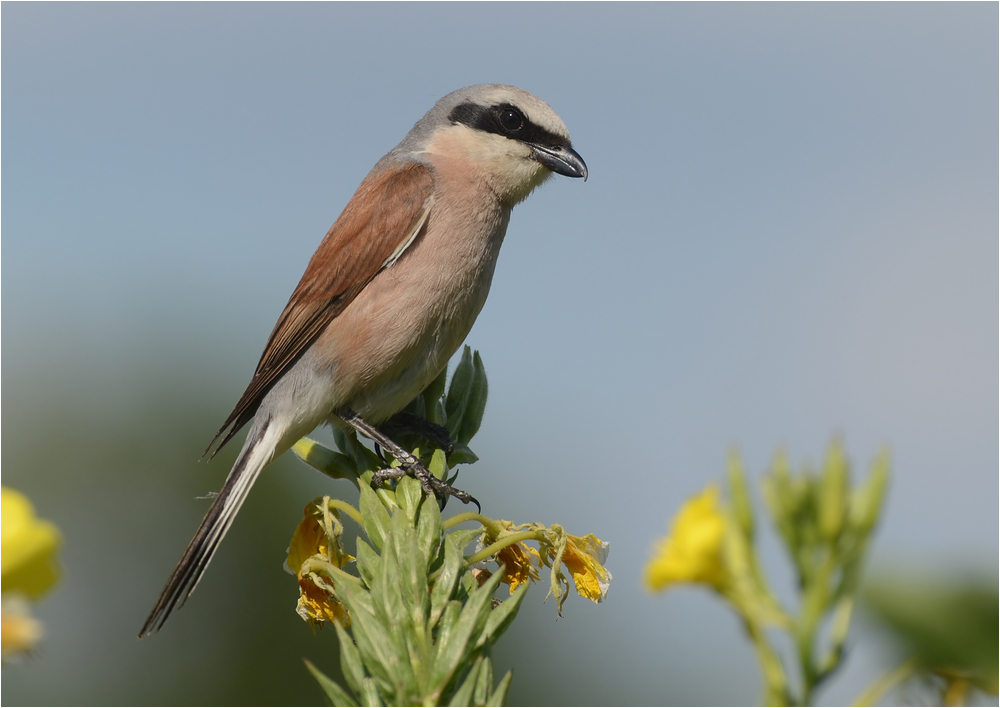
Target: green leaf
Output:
[(463, 695), (449, 618), (470, 624), (368, 562), (866, 502), (409, 495), (458, 393), (371, 639), (740, 495), (499, 696), (462, 455), (369, 693), (475, 403), (445, 583), (463, 537), (833, 489), (332, 464), (350, 660), (412, 585), (337, 695), (438, 465), (503, 615), (429, 531), (364, 459), (374, 516), (387, 599), (484, 684)]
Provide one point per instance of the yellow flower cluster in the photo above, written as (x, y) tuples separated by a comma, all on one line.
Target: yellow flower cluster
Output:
[(582, 556), (693, 552), (316, 541), (29, 548), (519, 561), (29, 570)]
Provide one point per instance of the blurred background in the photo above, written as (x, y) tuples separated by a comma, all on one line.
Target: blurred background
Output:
[(789, 233)]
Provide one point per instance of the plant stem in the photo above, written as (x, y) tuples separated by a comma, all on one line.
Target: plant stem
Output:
[(885, 683), (503, 543), (346, 508)]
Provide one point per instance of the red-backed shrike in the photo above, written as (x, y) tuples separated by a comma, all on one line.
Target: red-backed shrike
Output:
[(391, 292)]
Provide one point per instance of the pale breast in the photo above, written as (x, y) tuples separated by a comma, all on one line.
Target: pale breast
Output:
[(402, 329)]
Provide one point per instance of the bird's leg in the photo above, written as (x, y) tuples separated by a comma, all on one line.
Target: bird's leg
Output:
[(404, 422), (408, 464)]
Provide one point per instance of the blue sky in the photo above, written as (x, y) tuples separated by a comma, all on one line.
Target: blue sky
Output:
[(789, 233)]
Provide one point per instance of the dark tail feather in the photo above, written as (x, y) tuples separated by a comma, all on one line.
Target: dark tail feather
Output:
[(257, 453)]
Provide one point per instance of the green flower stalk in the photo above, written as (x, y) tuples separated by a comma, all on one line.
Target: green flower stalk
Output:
[(825, 525), (417, 619)]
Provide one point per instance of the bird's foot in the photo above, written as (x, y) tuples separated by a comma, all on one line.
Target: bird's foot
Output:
[(431, 484), (408, 464)]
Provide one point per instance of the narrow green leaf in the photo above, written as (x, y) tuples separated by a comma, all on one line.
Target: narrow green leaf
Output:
[(484, 684), (412, 577), (438, 465), (463, 537), (337, 695), (462, 455), (445, 583), (387, 593), (499, 696), (475, 402), (470, 624), (332, 464), (408, 496), (370, 695), (866, 503), (350, 445), (429, 531), (449, 618), (459, 390), (374, 516), (368, 562), (371, 638), (350, 660), (463, 696), (739, 493), (832, 492), (340, 436), (503, 615)]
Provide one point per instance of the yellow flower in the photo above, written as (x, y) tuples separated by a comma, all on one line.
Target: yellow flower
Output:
[(584, 558), (517, 565), (317, 538), (693, 552), (29, 548)]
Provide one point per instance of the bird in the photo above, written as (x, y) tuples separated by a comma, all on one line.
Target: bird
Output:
[(390, 293)]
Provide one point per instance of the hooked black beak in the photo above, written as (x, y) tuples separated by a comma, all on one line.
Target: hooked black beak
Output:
[(561, 160)]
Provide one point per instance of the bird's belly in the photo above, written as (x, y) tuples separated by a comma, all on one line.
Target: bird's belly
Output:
[(401, 330)]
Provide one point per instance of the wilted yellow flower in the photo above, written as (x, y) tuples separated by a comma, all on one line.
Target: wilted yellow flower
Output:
[(518, 568), (29, 547), (693, 552), (318, 537), (19, 631), (584, 557)]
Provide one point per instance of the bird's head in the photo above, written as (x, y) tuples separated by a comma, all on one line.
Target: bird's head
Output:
[(513, 139)]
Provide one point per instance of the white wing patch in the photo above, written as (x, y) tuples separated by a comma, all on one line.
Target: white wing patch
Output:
[(417, 228)]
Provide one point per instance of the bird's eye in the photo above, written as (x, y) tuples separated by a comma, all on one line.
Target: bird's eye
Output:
[(510, 119)]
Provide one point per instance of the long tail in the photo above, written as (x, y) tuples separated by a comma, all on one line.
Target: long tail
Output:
[(258, 450)]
